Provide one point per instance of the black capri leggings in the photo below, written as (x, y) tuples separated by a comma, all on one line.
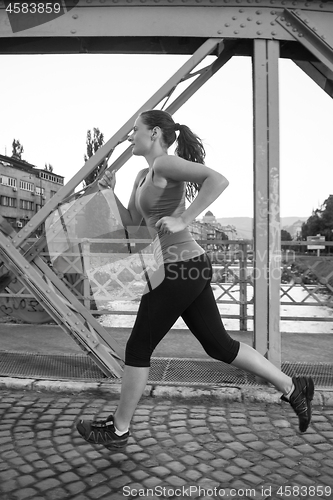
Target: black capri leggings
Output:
[(185, 291)]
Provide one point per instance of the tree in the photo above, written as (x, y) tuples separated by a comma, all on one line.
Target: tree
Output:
[(321, 221), (285, 235), (93, 144), (17, 149), (96, 221)]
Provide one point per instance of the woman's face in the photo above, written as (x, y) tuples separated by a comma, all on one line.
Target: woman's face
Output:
[(140, 138)]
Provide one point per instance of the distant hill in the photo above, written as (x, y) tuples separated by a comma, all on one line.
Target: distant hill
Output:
[(244, 225)]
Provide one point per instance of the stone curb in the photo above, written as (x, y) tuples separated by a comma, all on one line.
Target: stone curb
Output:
[(261, 394)]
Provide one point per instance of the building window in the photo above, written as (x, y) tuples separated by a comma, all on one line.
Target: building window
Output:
[(26, 205), (27, 186), (53, 193), (52, 178), (40, 191), (8, 181), (6, 201)]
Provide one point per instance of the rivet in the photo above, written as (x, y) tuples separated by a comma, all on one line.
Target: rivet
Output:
[(234, 18), (227, 25), (75, 16), (258, 12), (69, 314), (236, 32), (273, 33), (220, 32), (249, 18), (259, 32), (288, 24), (314, 29), (294, 30), (306, 21), (295, 3), (323, 37), (243, 25), (300, 34), (19, 236), (48, 291), (73, 31), (30, 225), (282, 19), (241, 11), (259, 22), (272, 23), (82, 330), (273, 12)]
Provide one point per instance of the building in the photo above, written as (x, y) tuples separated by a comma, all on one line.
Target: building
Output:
[(208, 229), (24, 189)]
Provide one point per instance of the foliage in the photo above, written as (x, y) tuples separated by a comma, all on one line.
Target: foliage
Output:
[(321, 221), (285, 235), (93, 142), (17, 149)]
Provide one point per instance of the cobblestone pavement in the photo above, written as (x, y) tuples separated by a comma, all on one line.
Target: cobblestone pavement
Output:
[(179, 448)]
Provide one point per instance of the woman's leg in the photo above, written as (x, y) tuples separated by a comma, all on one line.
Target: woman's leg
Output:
[(133, 384), (251, 360), (204, 320)]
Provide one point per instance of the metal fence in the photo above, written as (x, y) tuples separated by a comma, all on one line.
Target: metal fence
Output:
[(109, 280)]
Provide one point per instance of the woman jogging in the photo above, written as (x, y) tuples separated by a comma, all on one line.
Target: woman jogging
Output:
[(158, 197)]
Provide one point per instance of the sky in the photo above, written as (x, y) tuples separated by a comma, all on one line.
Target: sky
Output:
[(50, 101)]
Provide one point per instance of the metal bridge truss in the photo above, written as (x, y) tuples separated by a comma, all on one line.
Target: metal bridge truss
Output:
[(263, 30)]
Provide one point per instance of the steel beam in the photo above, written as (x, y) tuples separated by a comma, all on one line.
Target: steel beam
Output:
[(246, 19), (267, 254), (205, 75), (317, 39), (321, 75)]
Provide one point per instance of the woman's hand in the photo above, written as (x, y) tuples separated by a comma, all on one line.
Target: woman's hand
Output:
[(170, 224), (108, 180)]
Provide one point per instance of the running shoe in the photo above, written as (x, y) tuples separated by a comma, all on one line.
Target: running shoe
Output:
[(102, 432), (300, 400)]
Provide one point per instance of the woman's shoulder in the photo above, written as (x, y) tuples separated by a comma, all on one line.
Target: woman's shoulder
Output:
[(142, 173)]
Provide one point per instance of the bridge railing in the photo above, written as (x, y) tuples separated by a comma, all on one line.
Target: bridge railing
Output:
[(109, 280)]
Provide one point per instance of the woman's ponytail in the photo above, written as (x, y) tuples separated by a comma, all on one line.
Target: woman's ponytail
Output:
[(190, 147)]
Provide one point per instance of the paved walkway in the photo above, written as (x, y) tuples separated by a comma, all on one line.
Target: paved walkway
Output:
[(181, 448)]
